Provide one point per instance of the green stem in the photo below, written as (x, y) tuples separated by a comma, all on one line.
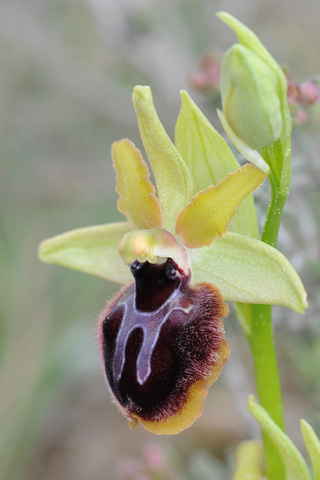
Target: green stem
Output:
[(268, 382), (262, 346), (272, 224)]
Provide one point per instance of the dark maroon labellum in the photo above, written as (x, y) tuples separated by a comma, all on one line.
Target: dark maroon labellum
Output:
[(159, 337)]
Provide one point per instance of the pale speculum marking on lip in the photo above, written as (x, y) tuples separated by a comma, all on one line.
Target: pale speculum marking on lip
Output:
[(150, 323)]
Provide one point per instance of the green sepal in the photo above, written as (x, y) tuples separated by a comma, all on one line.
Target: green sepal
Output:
[(249, 460), (92, 250), (206, 153), (247, 270), (295, 466), (313, 446), (172, 176), (210, 159)]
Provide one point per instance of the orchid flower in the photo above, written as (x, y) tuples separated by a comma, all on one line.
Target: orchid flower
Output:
[(162, 339)]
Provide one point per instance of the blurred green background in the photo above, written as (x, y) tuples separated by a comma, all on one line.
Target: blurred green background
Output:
[(66, 75)]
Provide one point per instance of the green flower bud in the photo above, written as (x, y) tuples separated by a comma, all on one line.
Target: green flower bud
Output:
[(250, 97)]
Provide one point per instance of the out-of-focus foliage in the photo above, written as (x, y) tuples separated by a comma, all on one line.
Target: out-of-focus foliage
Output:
[(67, 72)]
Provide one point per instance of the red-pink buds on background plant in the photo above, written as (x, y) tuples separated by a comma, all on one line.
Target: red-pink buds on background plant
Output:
[(301, 97)]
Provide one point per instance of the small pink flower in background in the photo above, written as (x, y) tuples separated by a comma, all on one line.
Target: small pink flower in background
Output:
[(151, 464), (300, 117), (155, 457), (208, 77), (300, 97), (308, 93), (128, 467)]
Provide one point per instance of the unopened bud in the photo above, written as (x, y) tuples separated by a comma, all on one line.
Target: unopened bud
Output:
[(250, 97)]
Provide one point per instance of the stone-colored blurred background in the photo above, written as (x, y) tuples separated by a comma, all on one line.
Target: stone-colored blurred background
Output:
[(66, 76)]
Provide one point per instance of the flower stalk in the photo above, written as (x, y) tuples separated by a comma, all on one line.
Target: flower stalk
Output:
[(261, 340), (262, 344)]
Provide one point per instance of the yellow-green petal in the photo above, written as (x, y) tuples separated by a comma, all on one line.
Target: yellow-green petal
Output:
[(172, 176), (313, 446), (295, 466), (210, 212), (92, 250), (247, 270), (137, 200), (210, 159)]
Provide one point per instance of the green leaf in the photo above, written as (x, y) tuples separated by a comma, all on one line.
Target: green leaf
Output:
[(249, 460), (210, 211), (137, 200), (91, 250), (295, 466), (313, 446), (247, 270), (172, 176), (210, 159)]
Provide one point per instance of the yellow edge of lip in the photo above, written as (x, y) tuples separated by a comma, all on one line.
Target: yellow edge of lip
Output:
[(194, 405)]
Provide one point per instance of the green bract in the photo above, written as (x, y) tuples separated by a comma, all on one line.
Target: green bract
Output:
[(313, 446), (249, 462), (294, 464), (184, 219)]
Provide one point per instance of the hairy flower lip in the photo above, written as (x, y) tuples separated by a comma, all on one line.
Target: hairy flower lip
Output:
[(194, 406), (191, 333)]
